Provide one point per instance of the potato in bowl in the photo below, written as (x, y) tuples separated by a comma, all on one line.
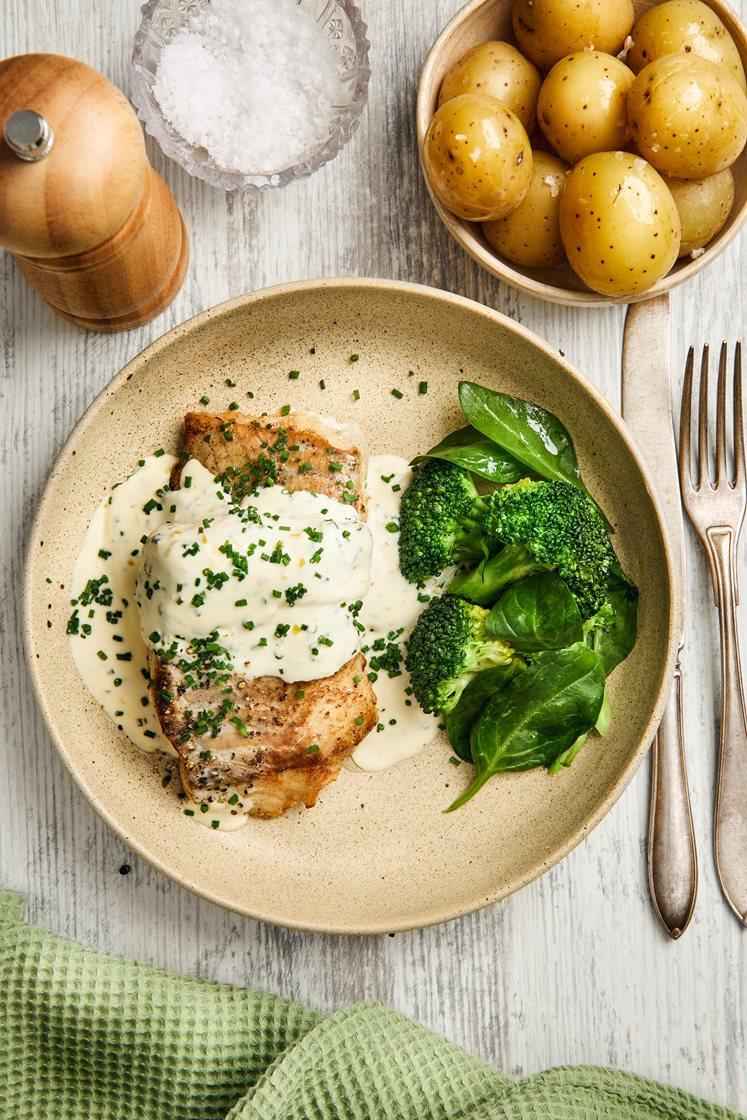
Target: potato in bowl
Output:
[(580, 125)]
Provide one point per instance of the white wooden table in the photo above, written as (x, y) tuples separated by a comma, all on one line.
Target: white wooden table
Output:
[(574, 969)]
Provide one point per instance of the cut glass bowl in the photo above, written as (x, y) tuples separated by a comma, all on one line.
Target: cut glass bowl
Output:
[(346, 31)]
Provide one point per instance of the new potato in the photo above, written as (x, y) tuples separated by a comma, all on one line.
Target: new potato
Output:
[(688, 117), (548, 30), (477, 157), (500, 71), (703, 205), (619, 224), (683, 27), (582, 105), (530, 234)]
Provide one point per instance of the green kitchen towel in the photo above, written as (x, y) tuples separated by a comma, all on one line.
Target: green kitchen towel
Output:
[(86, 1036)]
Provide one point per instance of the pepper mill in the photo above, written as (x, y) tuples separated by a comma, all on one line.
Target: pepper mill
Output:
[(91, 225)]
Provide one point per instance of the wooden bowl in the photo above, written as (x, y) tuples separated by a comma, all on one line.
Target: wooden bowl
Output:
[(377, 853), (481, 20)]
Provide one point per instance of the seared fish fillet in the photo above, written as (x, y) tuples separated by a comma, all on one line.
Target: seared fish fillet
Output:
[(252, 456), (296, 734)]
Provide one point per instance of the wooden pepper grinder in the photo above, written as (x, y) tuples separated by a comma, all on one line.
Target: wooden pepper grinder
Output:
[(92, 226)]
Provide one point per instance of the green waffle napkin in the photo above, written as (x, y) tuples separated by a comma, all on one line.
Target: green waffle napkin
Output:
[(86, 1036)]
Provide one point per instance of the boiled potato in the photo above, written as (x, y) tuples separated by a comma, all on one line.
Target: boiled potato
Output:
[(477, 157), (500, 71), (530, 234), (703, 205), (582, 105), (548, 30), (619, 224), (683, 27), (687, 116)]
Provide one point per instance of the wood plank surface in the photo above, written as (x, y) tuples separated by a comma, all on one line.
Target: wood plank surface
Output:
[(574, 969)]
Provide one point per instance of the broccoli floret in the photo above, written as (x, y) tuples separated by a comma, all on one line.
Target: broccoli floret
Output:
[(440, 521), (447, 648), (485, 583), (560, 528)]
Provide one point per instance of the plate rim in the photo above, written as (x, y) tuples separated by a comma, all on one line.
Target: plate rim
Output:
[(445, 913)]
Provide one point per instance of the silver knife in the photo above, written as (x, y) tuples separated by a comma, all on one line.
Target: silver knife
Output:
[(647, 410)]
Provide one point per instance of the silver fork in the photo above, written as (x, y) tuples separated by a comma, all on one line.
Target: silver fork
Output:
[(716, 509)]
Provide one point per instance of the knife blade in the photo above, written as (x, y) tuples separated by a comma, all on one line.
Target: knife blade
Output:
[(647, 410)]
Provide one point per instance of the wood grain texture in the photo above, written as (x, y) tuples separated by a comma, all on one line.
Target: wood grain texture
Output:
[(575, 967), (94, 228)]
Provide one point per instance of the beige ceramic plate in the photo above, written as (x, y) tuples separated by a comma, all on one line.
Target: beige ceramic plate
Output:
[(376, 854)]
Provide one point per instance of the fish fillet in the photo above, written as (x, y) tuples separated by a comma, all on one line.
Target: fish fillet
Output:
[(293, 737)]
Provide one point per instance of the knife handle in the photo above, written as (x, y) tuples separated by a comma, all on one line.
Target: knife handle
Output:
[(730, 839), (672, 857)]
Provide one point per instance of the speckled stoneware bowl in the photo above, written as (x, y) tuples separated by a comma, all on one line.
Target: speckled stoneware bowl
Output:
[(376, 854), (481, 20)]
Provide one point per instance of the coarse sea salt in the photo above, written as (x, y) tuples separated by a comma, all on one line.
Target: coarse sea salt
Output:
[(253, 82)]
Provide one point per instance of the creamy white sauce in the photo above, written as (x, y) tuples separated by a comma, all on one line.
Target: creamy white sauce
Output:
[(334, 587), (107, 645), (274, 580), (390, 611)]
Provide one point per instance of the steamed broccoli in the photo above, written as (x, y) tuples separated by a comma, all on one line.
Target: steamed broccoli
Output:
[(485, 583), (439, 521), (447, 648), (560, 528)]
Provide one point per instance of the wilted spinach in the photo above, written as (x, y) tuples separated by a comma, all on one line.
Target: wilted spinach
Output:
[(477, 453), (537, 716), (536, 614), (460, 719), (527, 432)]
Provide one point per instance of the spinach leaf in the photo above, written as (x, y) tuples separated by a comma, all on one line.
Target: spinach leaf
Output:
[(527, 432), (604, 719), (612, 631), (474, 698), (536, 614), (537, 716), (602, 726), (477, 453), (567, 757)]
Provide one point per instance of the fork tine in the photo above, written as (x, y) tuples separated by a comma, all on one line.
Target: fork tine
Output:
[(704, 469), (721, 468), (686, 411), (739, 457)]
